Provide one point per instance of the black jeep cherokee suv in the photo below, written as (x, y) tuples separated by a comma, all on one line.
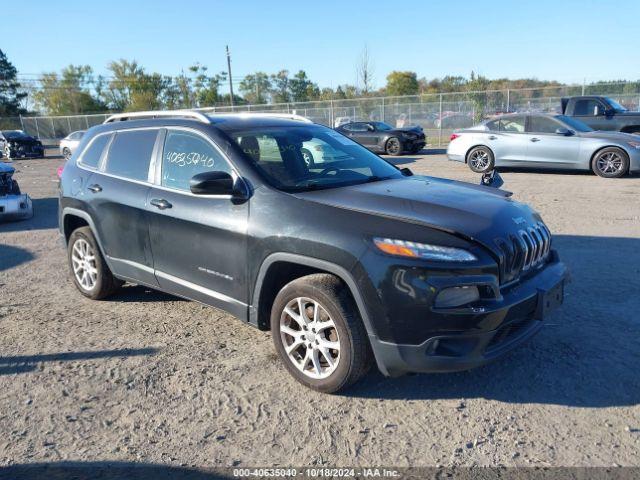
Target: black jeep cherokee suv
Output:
[(346, 259)]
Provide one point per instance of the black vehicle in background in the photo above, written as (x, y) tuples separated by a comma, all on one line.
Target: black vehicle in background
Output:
[(383, 138), (17, 144), (601, 113), (350, 261)]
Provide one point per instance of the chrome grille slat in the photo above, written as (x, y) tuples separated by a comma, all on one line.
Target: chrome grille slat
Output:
[(524, 250)]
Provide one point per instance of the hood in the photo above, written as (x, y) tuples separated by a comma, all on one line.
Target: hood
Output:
[(619, 136), (478, 213), (412, 128), (5, 169)]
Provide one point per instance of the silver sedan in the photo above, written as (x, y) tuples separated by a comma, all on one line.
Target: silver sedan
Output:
[(545, 141), (69, 143)]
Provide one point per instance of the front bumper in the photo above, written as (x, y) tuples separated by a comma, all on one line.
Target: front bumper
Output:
[(27, 152), (15, 207), (521, 311)]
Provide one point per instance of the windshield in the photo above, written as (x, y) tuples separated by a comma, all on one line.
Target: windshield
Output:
[(14, 134), (574, 124), (383, 127), (615, 105), (312, 157)]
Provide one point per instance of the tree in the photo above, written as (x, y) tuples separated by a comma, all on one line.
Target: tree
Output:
[(402, 83), (68, 93), (365, 71), (255, 88), (10, 94), (205, 87), (280, 87), (132, 89), (302, 89)]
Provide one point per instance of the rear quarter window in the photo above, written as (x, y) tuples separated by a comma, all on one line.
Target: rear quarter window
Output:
[(130, 154), (92, 154)]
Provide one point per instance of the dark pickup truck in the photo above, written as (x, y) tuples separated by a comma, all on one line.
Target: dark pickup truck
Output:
[(602, 113)]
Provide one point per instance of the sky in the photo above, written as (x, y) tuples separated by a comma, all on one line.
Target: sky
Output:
[(565, 40)]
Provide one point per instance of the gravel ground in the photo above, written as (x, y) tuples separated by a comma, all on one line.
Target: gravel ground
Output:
[(146, 377)]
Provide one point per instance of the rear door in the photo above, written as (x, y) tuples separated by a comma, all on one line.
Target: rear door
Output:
[(199, 242), (117, 193), (507, 138), (547, 148)]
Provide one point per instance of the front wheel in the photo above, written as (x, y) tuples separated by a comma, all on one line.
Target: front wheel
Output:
[(393, 147), (66, 153), (89, 271), (481, 160), (611, 162), (318, 333)]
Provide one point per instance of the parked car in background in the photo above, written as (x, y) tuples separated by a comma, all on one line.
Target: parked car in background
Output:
[(383, 138), (548, 141), (601, 113), (14, 205), (69, 143), (17, 144), (340, 121), (349, 264)]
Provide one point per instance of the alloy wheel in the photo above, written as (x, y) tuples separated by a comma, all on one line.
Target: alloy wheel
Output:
[(479, 159), (610, 163), (393, 146), (310, 337), (85, 269)]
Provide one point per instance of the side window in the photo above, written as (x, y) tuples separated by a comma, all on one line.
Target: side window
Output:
[(542, 125), (130, 154), (92, 154), (588, 107), (494, 125), (512, 124), (186, 154)]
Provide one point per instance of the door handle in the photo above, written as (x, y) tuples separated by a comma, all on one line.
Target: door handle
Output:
[(160, 203), (95, 188), (534, 139), (492, 137)]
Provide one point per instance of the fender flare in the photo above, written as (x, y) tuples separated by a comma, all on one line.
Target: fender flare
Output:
[(85, 216), (312, 262)]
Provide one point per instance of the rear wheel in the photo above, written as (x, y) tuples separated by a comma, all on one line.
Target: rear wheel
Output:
[(66, 153), (7, 152), (481, 160), (393, 147), (610, 162), (89, 271), (318, 333), (306, 156)]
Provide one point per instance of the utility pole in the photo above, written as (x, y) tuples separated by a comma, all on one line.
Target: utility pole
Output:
[(230, 81)]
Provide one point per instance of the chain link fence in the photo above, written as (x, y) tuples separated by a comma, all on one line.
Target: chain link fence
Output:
[(439, 114)]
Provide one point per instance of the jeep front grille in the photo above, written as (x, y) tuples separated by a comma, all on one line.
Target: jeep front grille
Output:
[(521, 251)]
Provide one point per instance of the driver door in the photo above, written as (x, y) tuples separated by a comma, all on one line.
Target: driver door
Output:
[(199, 242)]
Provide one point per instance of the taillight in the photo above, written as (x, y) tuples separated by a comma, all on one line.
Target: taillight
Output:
[(59, 172), (453, 136)]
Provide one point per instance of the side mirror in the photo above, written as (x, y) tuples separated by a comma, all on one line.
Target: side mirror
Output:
[(370, 128), (492, 179), (213, 183), (563, 131), (406, 172)]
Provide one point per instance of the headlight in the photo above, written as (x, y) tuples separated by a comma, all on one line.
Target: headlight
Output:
[(635, 144), (401, 248)]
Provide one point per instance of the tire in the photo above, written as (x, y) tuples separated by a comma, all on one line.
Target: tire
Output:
[(307, 156), (610, 162), (393, 147), (15, 188), (327, 295), (481, 160), (66, 153), (7, 152), (98, 284)]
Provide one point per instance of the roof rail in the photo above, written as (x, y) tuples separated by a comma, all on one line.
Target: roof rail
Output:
[(290, 116), (119, 117)]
